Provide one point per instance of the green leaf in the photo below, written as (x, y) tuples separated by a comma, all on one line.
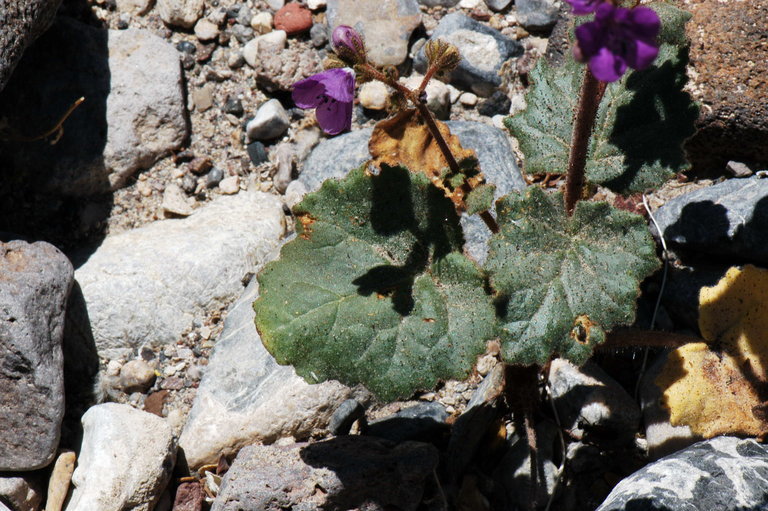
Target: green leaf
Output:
[(480, 199), (641, 123), (375, 289), (563, 281)]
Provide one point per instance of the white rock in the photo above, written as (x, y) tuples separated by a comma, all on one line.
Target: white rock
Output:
[(230, 185), (275, 5), (374, 95), (136, 376), (271, 121), (314, 5), (206, 30), (261, 22), (271, 43), (468, 99), (438, 95), (146, 286), (294, 193), (176, 202), (134, 6), (454, 92), (245, 397), (470, 4), (180, 13), (21, 491), (126, 460)]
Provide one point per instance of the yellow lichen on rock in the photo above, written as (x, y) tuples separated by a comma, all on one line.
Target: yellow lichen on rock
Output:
[(715, 387)]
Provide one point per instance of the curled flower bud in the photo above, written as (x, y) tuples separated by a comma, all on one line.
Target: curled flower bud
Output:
[(348, 44), (441, 55)]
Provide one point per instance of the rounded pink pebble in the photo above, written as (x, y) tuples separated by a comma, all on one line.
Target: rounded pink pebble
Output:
[(293, 18)]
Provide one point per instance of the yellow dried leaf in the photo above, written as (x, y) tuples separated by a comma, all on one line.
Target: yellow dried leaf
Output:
[(405, 140), (716, 387)]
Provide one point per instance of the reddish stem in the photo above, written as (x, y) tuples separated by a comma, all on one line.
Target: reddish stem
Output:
[(591, 93)]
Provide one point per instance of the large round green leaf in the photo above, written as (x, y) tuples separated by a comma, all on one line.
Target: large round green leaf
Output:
[(563, 281), (375, 289)]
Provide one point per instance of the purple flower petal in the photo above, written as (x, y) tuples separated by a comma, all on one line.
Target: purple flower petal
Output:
[(339, 83), (645, 23), (643, 55), (590, 39), (581, 7), (308, 93), (606, 66), (334, 116)]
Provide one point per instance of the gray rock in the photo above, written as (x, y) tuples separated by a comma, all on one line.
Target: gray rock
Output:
[(498, 5), (661, 436), (20, 24), (136, 376), (279, 70), (728, 219), (36, 281), (319, 35), (22, 492), (354, 472), (386, 25), (435, 3), (133, 113), (125, 461), (334, 157), (592, 405), (145, 286), (180, 13), (724, 473), (537, 14), (344, 416), (424, 422), (483, 50), (271, 121), (284, 157), (245, 397)]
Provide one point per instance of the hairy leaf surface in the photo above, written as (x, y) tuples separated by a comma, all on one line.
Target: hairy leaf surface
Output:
[(375, 289), (563, 282)]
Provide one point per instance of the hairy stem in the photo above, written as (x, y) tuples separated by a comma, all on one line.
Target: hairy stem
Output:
[(591, 93), (415, 98)]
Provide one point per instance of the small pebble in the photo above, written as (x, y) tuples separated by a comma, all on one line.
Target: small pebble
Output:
[(242, 33), (315, 5), (214, 177), (373, 95), (218, 16), (206, 30), (187, 61), (293, 18), (183, 352), (235, 60), (200, 165), (188, 184), (186, 47), (205, 332), (273, 42), (271, 121), (468, 99), (244, 16), (175, 201), (113, 368), (257, 152), (136, 376), (233, 11), (230, 185), (275, 5), (234, 106), (318, 34), (123, 22), (261, 22), (497, 104), (203, 97)]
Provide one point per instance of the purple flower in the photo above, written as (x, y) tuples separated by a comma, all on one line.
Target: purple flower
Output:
[(331, 93), (618, 38), (581, 7), (346, 39)]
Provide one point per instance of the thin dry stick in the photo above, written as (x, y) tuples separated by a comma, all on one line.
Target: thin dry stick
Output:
[(590, 94), (57, 128)]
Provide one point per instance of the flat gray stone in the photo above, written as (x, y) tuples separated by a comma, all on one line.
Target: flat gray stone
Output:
[(386, 25), (20, 24), (335, 157), (36, 281), (146, 286), (133, 113), (537, 14), (592, 405), (483, 51), (245, 397), (728, 219), (498, 5), (724, 473), (354, 472), (125, 462)]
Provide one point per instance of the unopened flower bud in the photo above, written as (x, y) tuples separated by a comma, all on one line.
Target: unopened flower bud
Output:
[(348, 44), (441, 55)]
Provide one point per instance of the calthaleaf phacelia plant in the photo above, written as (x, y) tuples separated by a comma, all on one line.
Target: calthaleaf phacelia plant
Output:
[(376, 288)]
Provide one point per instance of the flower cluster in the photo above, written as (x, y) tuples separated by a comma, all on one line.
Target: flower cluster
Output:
[(332, 92), (617, 38)]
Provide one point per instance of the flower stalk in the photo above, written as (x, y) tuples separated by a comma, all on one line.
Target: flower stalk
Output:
[(590, 95)]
